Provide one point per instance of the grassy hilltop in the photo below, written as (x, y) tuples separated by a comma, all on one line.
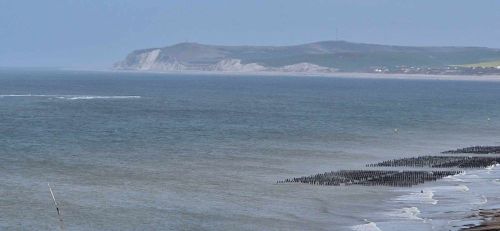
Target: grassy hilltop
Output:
[(341, 55)]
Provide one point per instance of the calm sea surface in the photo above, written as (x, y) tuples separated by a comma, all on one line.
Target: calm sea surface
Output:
[(130, 151)]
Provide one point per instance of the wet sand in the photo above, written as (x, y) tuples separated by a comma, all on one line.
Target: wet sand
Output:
[(491, 221)]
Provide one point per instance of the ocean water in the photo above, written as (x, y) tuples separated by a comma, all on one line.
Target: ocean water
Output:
[(132, 151)]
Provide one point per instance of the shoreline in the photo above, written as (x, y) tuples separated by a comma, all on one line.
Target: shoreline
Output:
[(491, 221), (348, 75)]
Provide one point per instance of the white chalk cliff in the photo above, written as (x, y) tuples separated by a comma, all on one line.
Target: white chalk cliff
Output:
[(195, 57), (318, 57), (235, 65), (149, 61), (306, 68)]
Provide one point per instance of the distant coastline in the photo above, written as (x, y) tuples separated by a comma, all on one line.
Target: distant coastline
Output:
[(324, 58)]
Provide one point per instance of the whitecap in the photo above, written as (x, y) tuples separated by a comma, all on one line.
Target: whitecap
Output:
[(452, 178), (370, 226), (455, 177), (463, 188), (491, 167), (410, 213), (98, 97)]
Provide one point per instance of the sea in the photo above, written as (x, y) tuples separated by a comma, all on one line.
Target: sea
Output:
[(151, 151)]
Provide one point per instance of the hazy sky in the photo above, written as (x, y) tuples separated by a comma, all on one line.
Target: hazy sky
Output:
[(96, 33)]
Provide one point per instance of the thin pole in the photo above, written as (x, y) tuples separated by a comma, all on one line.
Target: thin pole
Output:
[(61, 222)]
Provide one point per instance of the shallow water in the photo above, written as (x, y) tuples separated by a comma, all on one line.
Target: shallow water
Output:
[(130, 151)]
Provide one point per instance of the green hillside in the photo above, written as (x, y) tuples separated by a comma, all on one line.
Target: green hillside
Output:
[(341, 55), (484, 64)]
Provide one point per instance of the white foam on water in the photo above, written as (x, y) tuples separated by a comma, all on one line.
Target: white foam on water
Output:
[(410, 213), (424, 197), (455, 188), (455, 177), (370, 226), (26, 95), (98, 97), (483, 200), (491, 167), (462, 193), (458, 195), (463, 188), (77, 97)]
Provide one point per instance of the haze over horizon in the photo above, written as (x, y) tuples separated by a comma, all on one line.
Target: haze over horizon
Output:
[(93, 34)]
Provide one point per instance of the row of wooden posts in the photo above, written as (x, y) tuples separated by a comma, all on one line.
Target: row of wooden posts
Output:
[(406, 178)]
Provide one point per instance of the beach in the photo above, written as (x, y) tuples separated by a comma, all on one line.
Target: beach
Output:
[(491, 221), (356, 75)]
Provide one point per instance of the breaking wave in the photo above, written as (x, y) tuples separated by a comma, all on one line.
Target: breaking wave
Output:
[(407, 213), (463, 188), (370, 226), (491, 167), (455, 177)]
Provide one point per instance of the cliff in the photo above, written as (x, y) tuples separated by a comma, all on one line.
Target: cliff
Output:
[(327, 56)]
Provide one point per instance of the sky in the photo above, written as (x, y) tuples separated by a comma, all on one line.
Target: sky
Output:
[(97, 33)]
